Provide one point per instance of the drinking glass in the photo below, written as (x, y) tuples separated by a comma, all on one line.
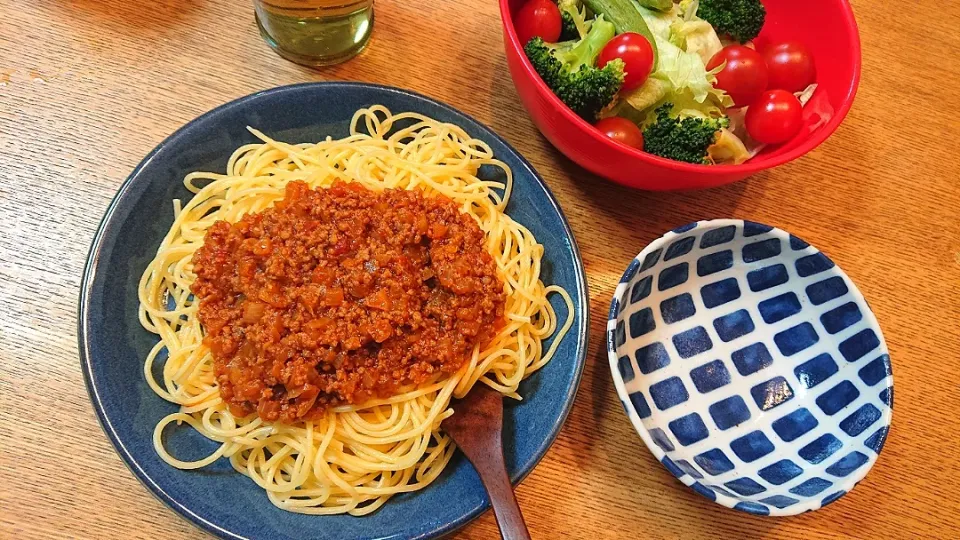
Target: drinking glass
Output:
[(315, 32)]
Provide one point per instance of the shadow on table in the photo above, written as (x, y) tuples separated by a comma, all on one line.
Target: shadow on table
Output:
[(655, 212)]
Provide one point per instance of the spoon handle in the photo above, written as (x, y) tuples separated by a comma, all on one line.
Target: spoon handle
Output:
[(488, 461)]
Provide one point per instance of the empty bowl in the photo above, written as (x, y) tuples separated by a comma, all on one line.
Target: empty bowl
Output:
[(751, 366)]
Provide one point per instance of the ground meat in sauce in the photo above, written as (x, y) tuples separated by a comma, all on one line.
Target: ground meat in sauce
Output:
[(340, 295)]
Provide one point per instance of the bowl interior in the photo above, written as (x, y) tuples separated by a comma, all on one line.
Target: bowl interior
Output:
[(827, 27), (751, 366)]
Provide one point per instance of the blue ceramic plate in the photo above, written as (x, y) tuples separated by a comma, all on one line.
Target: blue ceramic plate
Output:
[(113, 344)]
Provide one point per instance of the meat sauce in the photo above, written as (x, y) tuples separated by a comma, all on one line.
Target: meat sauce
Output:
[(337, 296)]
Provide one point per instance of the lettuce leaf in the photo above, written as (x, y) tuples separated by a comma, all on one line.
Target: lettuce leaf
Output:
[(693, 34), (698, 37), (680, 76), (635, 104), (728, 148), (684, 71), (659, 21)]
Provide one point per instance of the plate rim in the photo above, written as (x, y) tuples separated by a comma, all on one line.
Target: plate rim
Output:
[(91, 265)]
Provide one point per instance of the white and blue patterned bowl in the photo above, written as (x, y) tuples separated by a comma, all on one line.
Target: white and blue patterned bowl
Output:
[(751, 366)]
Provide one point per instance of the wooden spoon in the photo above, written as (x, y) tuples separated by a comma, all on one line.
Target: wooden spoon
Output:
[(475, 426)]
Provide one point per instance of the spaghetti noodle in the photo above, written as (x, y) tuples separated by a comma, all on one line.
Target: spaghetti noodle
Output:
[(354, 457)]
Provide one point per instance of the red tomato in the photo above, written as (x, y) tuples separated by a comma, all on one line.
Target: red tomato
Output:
[(621, 130), (538, 18), (637, 56), (775, 117), (745, 75), (789, 66)]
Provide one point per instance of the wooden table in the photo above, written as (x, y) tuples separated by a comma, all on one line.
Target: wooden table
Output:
[(93, 85)]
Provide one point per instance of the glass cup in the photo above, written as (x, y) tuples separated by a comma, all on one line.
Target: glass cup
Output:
[(315, 32)]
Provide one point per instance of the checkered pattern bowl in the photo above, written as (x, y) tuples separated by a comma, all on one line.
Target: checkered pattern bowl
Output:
[(751, 366)]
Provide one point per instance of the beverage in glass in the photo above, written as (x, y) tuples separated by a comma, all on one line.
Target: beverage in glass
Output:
[(315, 32)]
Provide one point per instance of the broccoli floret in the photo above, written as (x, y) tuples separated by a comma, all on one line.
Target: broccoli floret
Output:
[(681, 139), (569, 30), (569, 70), (739, 19)]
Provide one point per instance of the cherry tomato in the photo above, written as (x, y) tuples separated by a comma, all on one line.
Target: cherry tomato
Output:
[(789, 66), (538, 18), (775, 117), (637, 56), (745, 75), (621, 130)]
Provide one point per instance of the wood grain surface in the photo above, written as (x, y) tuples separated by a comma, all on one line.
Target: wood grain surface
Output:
[(88, 87)]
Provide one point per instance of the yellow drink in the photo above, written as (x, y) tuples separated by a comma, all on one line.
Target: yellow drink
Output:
[(315, 32)]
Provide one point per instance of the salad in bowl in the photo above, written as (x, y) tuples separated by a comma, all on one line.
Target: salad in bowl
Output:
[(681, 80)]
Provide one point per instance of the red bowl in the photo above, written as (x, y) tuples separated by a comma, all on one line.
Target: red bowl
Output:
[(826, 27)]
